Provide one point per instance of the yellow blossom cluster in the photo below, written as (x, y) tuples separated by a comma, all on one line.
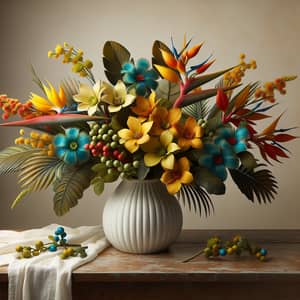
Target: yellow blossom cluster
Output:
[(234, 76), (268, 90), (36, 140), (74, 56)]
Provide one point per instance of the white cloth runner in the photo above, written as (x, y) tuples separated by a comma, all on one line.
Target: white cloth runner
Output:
[(47, 276)]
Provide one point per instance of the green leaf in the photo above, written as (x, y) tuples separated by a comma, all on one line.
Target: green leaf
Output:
[(260, 184), (37, 80), (209, 181), (194, 196), (202, 95), (12, 158), (198, 81), (39, 171), (71, 88), (114, 56), (100, 169), (98, 184), (247, 160), (20, 196), (53, 123), (167, 90), (198, 110), (69, 189)]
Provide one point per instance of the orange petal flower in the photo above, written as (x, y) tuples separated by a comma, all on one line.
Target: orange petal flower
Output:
[(164, 119), (144, 106), (190, 135), (173, 179)]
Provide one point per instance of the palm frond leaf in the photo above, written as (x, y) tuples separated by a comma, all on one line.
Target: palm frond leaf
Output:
[(195, 198), (69, 188), (260, 184), (12, 158), (39, 171), (71, 88), (198, 110), (36, 79), (20, 197)]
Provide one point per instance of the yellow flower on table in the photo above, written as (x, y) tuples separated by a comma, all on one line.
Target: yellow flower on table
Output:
[(55, 103), (135, 135), (173, 179), (190, 134), (160, 150)]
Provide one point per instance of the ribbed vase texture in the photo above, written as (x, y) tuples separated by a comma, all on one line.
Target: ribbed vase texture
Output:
[(142, 217)]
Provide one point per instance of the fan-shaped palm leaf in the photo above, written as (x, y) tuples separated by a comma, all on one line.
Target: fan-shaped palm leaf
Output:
[(71, 88), (12, 158), (260, 184), (39, 171), (69, 188), (198, 110), (195, 197)]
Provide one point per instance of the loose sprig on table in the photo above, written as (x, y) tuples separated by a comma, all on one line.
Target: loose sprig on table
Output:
[(217, 247), (57, 240)]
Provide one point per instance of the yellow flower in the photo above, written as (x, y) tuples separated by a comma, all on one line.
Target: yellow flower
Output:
[(136, 135), (165, 119), (144, 106), (190, 134), (88, 97), (173, 179), (54, 103), (160, 151), (116, 96)]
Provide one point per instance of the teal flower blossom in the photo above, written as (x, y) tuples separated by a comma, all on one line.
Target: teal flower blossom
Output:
[(140, 76), (234, 138), (70, 147), (217, 158)]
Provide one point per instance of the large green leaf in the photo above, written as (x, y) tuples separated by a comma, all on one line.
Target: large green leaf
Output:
[(53, 123), (12, 158), (39, 171), (194, 196), (114, 56), (69, 188), (198, 110), (167, 90), (200, 80), (209, 181), (257, 183)]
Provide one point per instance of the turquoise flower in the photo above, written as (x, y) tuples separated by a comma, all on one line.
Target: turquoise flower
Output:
[(70, 147), (234, 138), (140, 76), (217, 158)]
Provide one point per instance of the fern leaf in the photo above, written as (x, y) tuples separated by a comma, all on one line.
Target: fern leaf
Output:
[(198, 110), (69, 188), (39, 171), (197, 198), (12, 158), (260, 184)]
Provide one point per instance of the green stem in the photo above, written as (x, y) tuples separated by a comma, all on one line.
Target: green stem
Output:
[(193, 256)]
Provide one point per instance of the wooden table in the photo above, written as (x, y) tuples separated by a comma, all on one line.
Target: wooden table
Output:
[(115, 275)]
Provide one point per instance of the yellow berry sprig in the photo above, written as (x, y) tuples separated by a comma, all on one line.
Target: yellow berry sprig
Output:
[(57, 240), (36, 140), (269, 88), (75, 57), (217, 247)]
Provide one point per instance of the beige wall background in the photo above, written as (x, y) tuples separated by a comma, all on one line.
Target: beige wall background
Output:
[(267, 30)]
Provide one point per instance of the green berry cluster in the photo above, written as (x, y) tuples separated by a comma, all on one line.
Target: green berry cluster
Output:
[(217, 247), (114, 159), (57, 240)]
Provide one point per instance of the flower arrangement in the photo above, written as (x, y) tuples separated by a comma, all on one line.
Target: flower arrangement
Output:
[(146, 121)]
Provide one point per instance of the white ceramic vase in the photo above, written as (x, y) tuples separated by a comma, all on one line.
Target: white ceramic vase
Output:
[(142, 217)]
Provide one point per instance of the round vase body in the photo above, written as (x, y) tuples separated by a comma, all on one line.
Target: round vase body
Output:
[(142, 217)]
